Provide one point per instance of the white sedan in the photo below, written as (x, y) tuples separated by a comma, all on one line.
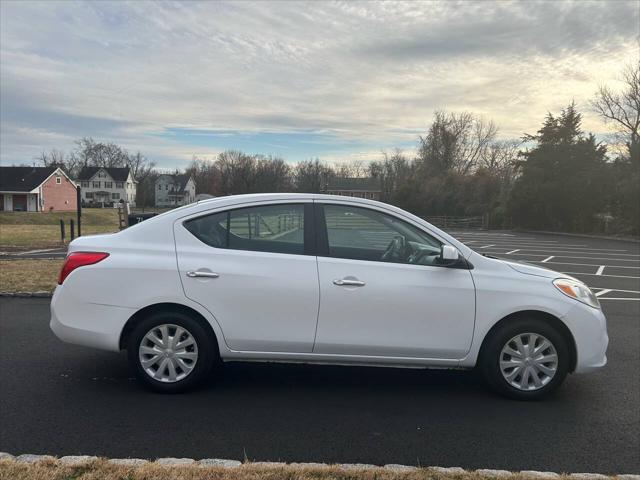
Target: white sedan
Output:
[(320, 279)]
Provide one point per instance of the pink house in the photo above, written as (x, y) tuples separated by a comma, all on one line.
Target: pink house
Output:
[(36, 189)]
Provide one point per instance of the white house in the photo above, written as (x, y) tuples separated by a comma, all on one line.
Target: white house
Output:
[(174, 190), (107, 185)]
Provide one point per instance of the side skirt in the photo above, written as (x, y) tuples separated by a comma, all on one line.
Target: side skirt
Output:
[(345, 360)]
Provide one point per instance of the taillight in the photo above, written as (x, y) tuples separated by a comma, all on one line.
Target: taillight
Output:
[(79, 259)]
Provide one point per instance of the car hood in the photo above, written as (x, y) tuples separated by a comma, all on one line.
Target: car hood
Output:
[(529, 269)]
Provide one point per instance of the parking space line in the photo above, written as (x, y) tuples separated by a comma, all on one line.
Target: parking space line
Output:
[(532, 246), (519, 242), (618, 298), (615, 290), (481, 234), (509, 245), (595, 274), (547, 259), (602, 292), (522, 241), (584, 264), (568, 250), (600, 270), (487, 246), (512, 251), (571, 256), (507, 240)]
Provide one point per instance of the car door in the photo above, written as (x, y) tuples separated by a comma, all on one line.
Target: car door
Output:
[(253, 268), (393, 305)]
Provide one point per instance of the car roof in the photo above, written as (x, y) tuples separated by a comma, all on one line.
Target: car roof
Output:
[(256, 197), (203, 206)]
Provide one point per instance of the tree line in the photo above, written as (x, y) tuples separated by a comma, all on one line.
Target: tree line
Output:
[(558, 178)]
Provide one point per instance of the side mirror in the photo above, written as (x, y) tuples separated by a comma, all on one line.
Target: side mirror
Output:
[(449, 254)]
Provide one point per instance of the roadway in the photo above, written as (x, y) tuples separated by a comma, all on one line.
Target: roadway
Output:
[(67, 400)]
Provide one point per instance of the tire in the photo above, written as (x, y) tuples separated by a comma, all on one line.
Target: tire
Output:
[(185, 367), (515, 382)]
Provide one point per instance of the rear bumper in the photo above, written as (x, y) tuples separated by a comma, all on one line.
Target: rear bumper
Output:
[(589, 329), (93, 325)]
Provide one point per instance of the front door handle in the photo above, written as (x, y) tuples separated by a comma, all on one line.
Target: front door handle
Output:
[(345, 282), (198, 273)]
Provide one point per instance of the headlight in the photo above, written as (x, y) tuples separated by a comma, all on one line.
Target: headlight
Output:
[(576, 290)]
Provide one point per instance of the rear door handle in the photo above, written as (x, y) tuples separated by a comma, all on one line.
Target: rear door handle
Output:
[(345, 282), (198, 273)]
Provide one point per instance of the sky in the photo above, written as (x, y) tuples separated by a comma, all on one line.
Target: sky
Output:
[(340, 81)]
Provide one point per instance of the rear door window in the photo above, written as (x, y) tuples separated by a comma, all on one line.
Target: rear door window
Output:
[(275, 228)]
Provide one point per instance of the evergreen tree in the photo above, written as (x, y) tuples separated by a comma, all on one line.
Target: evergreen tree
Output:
[(560, 186)]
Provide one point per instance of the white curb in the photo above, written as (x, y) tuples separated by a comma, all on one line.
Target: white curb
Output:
[(494, 473), (219, 462), (175, 461), (77, 460), (449, 470), (29, 458), (540, 475), (356, 466), (587, 476), (128, 462), (400, 468), (82, 460)]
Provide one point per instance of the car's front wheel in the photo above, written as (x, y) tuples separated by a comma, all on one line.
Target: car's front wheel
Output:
[(170, 352), (525, 359)]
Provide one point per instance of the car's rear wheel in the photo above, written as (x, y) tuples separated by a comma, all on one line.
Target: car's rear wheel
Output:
[(170, 352), (525, 359)]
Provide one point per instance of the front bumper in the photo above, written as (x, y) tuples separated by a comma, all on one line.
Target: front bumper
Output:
[(589, 329)]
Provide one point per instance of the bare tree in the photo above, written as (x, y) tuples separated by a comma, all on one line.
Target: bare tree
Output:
[(57, 158), (455, 142), (139, 165), (273, 174), (237, 172), (392, 172), (312, 176), (205, 174), (89, 153), (500, 159), (352, 169), (52, 158), (142, 171), (622, 110)]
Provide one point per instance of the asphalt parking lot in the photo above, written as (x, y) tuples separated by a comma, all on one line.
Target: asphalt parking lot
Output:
[(610, 268), (64, 400)]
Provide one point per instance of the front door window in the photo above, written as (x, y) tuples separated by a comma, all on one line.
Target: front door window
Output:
[(364, 234)]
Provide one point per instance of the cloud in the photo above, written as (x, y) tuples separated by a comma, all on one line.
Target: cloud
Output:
[(488, 29), (356, 77)]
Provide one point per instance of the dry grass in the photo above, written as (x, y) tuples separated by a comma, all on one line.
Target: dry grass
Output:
[(29, 275), (19, 237), (103, 470), (90, 216), (21, 230)]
